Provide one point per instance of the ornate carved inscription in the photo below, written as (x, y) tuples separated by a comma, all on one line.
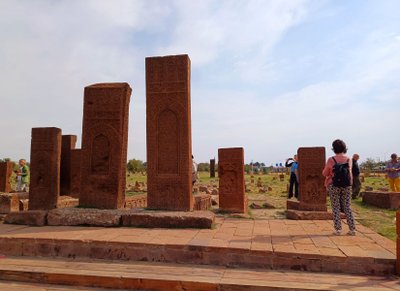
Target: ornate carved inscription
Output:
[(169, 133), (104, 145), (311, 181), (231, 180)]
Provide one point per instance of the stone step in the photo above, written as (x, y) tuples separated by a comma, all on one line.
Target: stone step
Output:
[(163, 276), (26, 286)]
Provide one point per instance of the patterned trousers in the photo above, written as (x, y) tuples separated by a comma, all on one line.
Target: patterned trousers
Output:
[(341, 196)]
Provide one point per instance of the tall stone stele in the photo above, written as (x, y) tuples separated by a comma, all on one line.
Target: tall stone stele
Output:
[(311, 181), (6, 169), (231, 180), (104, 145), (68, 143), (169, 138), (44, 185), (212, 168)]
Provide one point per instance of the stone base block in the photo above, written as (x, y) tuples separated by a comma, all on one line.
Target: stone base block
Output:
[(136, 201), (82, 216), (387, 200), (31, 217), (8, 203), (67, 201), (310, 215), (202, 202), (300, 205), (169, 219)]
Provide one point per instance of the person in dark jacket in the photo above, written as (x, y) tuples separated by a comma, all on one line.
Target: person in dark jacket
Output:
[(294, 176), (356, 187)]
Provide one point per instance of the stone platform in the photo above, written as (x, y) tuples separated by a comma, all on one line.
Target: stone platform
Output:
[(307, 245), (387, 200), (79, 274), (116, 218)]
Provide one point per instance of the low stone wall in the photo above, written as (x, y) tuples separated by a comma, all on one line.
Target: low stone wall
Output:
[(387, 200), (10, 202), (136, 201)]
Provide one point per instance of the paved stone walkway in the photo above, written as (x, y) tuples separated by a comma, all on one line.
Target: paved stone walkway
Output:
[(304, 237)]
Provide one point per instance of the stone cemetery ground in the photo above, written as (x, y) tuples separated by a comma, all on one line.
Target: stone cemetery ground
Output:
[(263, 250)]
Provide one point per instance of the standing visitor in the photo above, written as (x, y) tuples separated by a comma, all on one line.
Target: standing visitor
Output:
[(194, 171), (338, 181), (294, 176), (22, 175), (393, 172), (355, 170)]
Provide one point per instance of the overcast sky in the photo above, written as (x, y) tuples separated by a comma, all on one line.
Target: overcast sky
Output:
[(269, 76)]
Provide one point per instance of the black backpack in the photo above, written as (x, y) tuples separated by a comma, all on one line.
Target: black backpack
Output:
[(341, 174)]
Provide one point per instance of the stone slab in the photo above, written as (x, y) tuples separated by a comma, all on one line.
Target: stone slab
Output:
[(231, 180), (44, 187), (136, 201), (67, 201), (8, 203), (169, 134), (104, 145), (387, 200), (30, 217), (310, 215), (75, 172), (159, 276), (169, 219), (212, 168), (312, 192), (68, 143), (202, 202), (82, 216), (6, 169)]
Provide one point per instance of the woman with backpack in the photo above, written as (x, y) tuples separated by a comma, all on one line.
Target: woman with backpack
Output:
[(338, 181)]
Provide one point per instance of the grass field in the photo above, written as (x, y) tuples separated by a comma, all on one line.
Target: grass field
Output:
[(380, 220)]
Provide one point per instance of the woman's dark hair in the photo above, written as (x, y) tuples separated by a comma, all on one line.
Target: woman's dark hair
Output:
[(339, 146), (393, 156)]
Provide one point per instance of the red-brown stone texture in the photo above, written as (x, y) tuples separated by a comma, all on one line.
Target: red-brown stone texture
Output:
[(231, 180), (169, 137), (387, 200), (202, 202), (30, 217), (212, 168), (44, 187), (67, 145), (104, 145), (75, 172), (136, 201), (9, 203), (6, 169), (311, 182)]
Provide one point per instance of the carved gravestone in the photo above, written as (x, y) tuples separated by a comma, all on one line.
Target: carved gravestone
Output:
[(104, 145), (311, 182), (67, 145), (212, 168), (231, 180), (44, 187), (169, 140), (75, 172), (6, 169)]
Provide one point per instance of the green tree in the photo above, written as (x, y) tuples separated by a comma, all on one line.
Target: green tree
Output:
[(203, 167), (135, 166)]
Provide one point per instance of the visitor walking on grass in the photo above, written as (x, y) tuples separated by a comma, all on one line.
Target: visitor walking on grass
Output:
[(393, 172), (294, 176), (355, 170), (338, 181)]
